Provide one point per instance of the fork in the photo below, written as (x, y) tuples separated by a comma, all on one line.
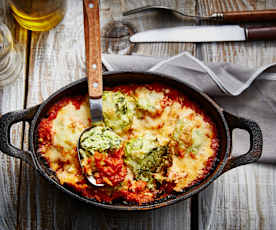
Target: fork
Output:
[(231, 16)]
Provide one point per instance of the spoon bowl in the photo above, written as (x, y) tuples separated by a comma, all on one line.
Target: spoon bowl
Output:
[(90, 178)]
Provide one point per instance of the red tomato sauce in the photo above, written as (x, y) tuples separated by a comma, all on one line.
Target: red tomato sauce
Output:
[(110, 167)]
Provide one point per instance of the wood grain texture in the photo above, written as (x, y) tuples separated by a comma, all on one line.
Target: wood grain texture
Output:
[(249, 16), (93, 58), (11, 98), (243, 198), (57, 58), (53, 64), (112, 12)]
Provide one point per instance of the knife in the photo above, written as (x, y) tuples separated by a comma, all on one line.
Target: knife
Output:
[(206, 34)]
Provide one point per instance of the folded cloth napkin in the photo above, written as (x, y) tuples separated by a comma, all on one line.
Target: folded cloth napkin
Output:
[(249, 93)]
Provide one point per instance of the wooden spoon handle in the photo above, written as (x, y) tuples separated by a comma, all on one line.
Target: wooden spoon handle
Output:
[(249, 16), (93, 47)]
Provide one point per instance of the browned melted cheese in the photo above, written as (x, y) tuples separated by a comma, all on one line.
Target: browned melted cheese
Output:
[(158, 115)]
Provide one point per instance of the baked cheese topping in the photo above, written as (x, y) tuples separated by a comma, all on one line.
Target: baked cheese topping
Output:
[(149, 100), (161, 143)]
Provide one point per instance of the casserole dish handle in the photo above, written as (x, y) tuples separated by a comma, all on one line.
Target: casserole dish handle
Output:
[(6, 121), (256, 141)]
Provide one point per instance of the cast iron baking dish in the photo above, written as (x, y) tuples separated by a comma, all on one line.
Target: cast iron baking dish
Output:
[(224, 121)]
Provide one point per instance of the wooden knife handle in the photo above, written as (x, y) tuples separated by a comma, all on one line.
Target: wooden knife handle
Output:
[(249, 16), (93, 47), (261, 33)]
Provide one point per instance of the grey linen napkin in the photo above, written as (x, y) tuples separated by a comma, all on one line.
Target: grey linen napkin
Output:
[(245, 92)]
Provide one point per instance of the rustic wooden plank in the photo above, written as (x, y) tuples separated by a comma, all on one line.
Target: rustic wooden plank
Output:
[(174, 217), (112, 12), (157, 19), (57, 58), (244, 197), (177, 216), (11, 98)]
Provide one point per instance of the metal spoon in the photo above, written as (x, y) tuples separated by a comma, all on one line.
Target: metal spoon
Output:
[(93, 67), (90, 178)]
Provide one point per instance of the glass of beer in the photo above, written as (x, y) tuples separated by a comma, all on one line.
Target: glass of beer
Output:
[(38, 15)]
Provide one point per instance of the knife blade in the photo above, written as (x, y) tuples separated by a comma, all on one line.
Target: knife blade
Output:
[(205, 34)]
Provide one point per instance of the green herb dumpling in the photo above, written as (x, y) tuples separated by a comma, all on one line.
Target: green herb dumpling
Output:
[(145, 156), (187, 137), (118, 111)]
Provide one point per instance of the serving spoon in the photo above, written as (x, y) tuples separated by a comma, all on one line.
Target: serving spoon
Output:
[(93, 68)]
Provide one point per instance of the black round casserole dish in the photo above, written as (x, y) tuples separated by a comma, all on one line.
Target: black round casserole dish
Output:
[(224, 121)]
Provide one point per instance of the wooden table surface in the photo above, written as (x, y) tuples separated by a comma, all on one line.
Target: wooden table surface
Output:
[(243, 198)]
